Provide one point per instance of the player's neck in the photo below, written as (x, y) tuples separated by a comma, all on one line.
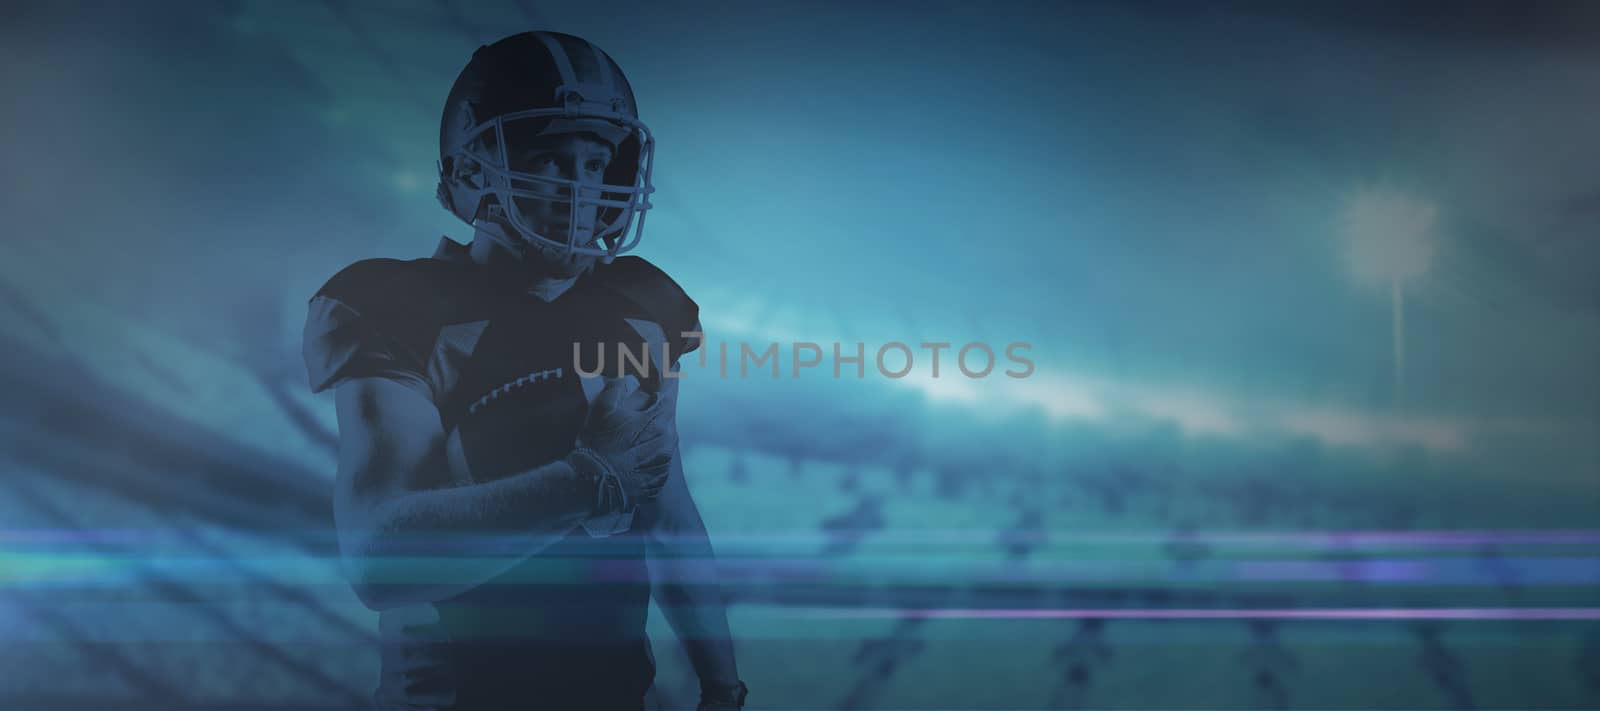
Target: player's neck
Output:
[(548, 288), (489, 253)]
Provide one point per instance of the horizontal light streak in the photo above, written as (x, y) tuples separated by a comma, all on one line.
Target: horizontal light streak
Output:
[(1350, 613)]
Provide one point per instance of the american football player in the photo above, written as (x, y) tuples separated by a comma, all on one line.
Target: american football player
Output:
[(507, 518)]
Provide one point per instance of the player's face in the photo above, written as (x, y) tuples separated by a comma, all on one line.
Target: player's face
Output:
[(580, 157)]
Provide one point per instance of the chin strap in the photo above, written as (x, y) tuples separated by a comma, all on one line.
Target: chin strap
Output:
[(525, 247)]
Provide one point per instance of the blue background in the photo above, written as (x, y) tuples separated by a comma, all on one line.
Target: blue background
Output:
[(1168, 203)]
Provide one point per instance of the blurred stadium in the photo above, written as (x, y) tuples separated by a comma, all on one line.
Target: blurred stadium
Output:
[(1250, 471)]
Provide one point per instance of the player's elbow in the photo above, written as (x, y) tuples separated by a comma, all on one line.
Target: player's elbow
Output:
[(387, 571), (370, 594), (380, 597), (382, 584), (374, 554), (364, 572), (374, 571)]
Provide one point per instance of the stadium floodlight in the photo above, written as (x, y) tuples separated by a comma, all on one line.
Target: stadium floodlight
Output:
[(1390, 239)]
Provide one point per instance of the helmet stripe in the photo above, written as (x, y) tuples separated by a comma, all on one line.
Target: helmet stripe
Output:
[(602, 67), (586, 68), (559, 55)]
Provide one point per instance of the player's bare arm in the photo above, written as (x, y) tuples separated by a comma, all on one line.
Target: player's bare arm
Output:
[(402, 508), (683, 573), (684, 583)]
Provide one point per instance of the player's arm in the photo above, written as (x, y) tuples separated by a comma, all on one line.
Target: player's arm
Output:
[(684, 582), (410, 528), (410, 532), (407, 532)]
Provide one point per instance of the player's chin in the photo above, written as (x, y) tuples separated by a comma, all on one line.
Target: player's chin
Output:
[(564, 266)]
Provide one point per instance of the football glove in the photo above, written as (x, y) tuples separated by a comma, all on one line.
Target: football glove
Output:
[(722, 697), (625, 449)]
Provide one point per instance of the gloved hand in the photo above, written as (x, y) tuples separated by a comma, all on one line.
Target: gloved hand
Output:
[(722, 697), (626, 446)]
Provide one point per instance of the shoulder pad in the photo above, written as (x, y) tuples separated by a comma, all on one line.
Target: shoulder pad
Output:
[(646, 285), (372, 286), (373, 318)]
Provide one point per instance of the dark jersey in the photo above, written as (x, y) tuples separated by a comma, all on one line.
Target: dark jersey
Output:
[(565, 626)]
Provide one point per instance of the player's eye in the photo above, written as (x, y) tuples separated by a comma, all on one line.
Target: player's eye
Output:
[(537, 162), (595, 166)]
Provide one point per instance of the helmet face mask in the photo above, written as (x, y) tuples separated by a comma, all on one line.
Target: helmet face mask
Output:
[(619, 220), (538, 74)]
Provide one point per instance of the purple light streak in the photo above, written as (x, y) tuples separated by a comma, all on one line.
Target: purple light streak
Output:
[(1450, 613)]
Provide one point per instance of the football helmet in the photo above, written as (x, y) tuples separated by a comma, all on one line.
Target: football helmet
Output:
[(535, 84)]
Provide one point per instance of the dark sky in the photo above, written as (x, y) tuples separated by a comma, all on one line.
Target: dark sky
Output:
[(1158, 195)]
